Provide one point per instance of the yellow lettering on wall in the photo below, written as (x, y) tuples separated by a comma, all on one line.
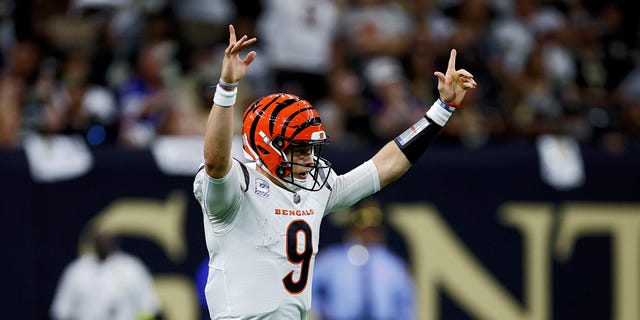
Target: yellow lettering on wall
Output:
[(535, 223), (622, 223), (161, 222), (177, 296), (440, 260)]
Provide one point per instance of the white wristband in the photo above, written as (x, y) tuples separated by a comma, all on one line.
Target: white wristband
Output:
[(224, 98), (439, 114)]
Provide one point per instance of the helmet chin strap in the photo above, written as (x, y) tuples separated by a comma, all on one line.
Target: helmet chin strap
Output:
[(287, 184)]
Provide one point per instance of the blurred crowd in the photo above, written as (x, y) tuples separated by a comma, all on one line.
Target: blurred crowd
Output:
[(123, 72)]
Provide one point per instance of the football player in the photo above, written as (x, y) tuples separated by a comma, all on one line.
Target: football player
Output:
[(262, 219)]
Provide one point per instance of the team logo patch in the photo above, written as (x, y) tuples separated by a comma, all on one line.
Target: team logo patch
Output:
[(262, 188)]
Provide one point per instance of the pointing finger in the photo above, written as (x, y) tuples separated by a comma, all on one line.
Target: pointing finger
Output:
[(452, 61)]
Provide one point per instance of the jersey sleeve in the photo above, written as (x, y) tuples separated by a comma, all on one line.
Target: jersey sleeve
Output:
[(353, 186), (219, 198)]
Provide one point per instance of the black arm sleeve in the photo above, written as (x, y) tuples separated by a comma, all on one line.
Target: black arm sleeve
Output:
[(414, 141)]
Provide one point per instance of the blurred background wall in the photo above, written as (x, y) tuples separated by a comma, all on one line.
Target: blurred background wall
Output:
[(483, 233)]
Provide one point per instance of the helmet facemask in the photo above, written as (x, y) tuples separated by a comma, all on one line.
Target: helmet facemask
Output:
[(318, 168)]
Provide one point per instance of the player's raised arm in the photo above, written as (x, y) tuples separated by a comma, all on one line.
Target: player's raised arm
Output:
[(219, 132), (395, 158)]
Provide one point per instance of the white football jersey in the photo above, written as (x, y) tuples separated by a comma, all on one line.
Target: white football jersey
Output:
[(262, 242)]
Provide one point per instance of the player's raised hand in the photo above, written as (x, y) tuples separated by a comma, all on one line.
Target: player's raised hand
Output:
[(453, 84), (233, 66)]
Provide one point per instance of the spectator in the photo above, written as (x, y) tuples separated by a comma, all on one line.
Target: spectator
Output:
[(202, 22), (393, 107), (420, 64), (80, 107), (105, 284), (587, 51), (19, 69), (345, 110), (146, 99), (372, 282), (11, 90), (541, 106), (189, 116), (629, 97), (431, 20), (299, 51), (374, 28), (512, 37)]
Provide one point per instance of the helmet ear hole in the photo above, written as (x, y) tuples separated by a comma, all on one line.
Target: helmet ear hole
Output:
[(278, 142), (280, 171)]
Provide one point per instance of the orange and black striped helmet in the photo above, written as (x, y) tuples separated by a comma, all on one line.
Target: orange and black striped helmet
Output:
[(275, 122)]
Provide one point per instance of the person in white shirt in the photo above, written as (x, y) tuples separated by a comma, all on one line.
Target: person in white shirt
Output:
[(106, 284), (262, 219)]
